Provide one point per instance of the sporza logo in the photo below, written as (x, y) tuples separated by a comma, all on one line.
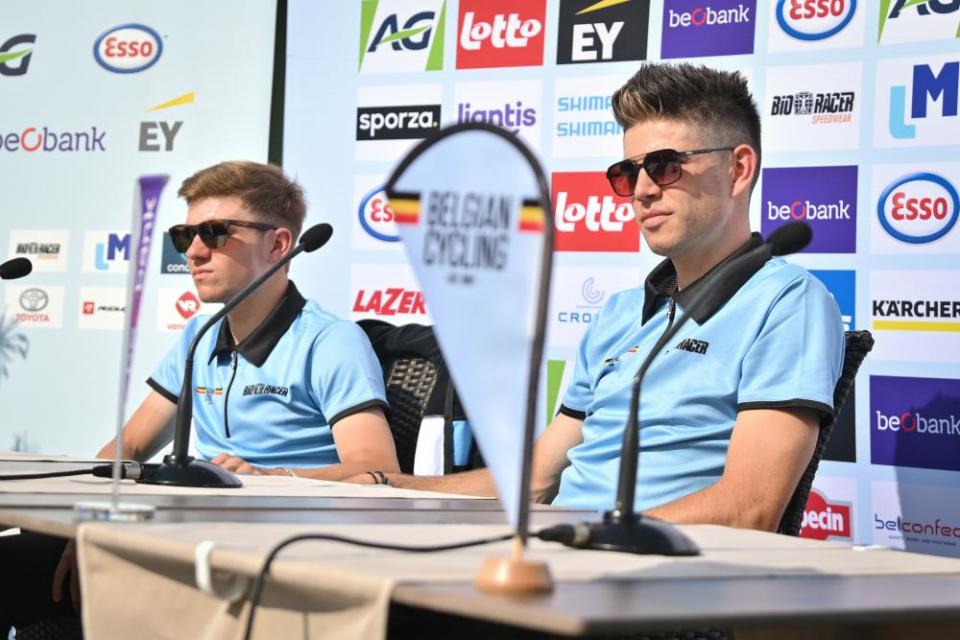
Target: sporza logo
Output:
[(15, 61), (376, 217), (397, 122), (919, 208), (497, 33), (394, 37), (811, 20), (928, 85), (128, 48)]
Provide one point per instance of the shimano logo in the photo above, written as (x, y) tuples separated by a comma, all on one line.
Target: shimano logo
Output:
[(397, 123)]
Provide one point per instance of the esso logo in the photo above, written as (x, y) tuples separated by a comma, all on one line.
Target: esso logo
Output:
[(187, 305), (128, 48), (919, 208), (376, 216), (814, 19)]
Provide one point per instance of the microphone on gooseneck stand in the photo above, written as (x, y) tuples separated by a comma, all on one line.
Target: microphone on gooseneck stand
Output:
[(179, 468), (622, 529), (15, 268)]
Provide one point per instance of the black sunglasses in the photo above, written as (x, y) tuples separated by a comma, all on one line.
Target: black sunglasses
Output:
[(213, 233), (664, 167)]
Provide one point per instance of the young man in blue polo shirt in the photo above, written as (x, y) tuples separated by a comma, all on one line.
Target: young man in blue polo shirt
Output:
[(731, 410), (281, 386)]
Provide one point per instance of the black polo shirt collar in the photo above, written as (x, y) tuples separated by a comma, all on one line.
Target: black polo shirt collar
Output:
[(661, 284), (256, 347)]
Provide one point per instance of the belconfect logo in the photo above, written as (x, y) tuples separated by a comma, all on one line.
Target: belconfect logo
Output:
[(376, 216), (500, 33), (824, 108), (395, 37), (15, 60), (919, 208), (172, 261), (824, 197), (814, 19), (46, 139), (397, 122), (917, 20), (708, 28), (929, 84), (915, 422), (823, 518), (602, 31), (588, 217), (128, 48)]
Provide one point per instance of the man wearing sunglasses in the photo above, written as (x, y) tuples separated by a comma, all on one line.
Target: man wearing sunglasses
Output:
[(281, 386), (730, 411)]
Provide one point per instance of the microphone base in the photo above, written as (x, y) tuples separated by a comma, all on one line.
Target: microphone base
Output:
[(191, 472), (638, 534)]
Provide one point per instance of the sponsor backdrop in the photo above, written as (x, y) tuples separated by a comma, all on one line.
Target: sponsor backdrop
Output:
[(861, 133), (96, 95)]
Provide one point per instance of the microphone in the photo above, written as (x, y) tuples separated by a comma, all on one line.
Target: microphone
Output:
[(15, 268), (179, 468), (622, 529)]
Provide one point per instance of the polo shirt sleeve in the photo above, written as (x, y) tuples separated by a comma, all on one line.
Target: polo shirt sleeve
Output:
[(167, 378), (579, 393), (796, 359), (346, 376)]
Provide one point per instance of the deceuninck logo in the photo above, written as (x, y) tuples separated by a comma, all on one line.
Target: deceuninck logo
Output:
[(694, 28), (401, 36), (915, 422), (602, 31), (500, 33), (918, 20), (921, 99), (824, 518), (128, 48), (823, 197)]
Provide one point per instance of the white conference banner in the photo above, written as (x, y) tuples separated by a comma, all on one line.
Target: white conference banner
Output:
[(469, 210)]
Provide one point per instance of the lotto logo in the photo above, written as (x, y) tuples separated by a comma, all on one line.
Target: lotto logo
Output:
[(589, 218), (498, 33)]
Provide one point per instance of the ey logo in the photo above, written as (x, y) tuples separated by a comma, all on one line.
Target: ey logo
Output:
[(159, 135)]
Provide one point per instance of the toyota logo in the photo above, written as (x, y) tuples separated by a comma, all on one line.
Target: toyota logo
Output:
[(34, 300)]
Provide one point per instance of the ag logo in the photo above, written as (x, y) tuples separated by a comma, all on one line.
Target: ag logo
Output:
[(394, 37), (376, 216), (187, 305), (128, 48), (814, 19), (13, 61), (34, 300), (919, 208), (917, 20)]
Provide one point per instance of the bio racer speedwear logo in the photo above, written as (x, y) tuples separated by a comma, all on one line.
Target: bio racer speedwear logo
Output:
[(128, 48), (590, 218), (919, 208), (814, 19), (500, 33)]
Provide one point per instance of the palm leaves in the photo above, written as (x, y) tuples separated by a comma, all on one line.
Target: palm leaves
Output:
[(12, 344)]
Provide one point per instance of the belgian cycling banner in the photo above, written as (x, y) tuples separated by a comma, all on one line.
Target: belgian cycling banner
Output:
[(470, 205)]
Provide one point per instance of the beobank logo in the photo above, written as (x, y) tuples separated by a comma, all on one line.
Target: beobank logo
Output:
[(128, 48), (589, 217), (824, 519), (500, 33), (919, 208), (824, 197), (376, 216), (814, 19)]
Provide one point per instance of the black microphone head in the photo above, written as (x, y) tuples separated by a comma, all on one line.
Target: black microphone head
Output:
[(790, 238), (316, 236), (16, 268)]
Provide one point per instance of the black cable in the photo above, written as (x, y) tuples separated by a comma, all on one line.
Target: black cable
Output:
[(49, 474), (128, 470), (283, 544)]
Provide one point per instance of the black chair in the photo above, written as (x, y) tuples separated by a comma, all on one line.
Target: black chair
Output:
[(418, 384), (858, 345)]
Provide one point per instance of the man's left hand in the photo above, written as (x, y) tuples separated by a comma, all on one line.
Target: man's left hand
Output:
[(239, 465)]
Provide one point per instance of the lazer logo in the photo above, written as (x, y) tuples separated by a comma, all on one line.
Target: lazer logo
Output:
[(500, 34), (389, 302), (397, 123), (823, 519), (128, 48), (919, 208), (588, 218), (814, 19), (392, 38), (927, 86), (15, 61), (511, 116)]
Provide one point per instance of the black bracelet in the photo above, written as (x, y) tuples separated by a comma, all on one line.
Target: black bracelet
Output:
[(380, 477), (376, 480)]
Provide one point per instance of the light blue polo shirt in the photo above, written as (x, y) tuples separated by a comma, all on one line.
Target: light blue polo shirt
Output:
[(274, 399), (776, 342)]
